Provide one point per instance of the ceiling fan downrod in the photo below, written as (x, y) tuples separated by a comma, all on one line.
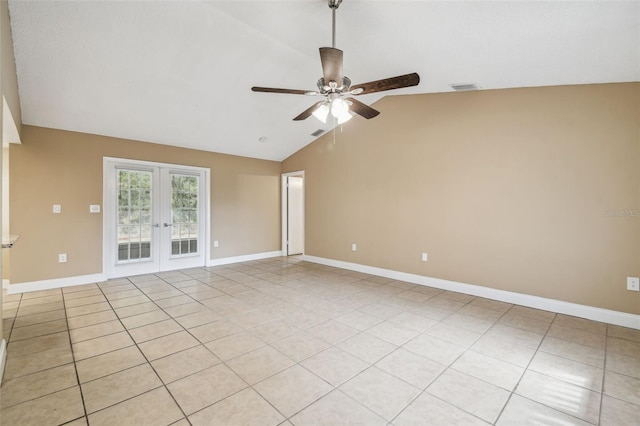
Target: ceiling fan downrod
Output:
[(333, 5)]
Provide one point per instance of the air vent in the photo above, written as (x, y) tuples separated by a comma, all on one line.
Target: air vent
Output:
[(317, 132), (464, 87)]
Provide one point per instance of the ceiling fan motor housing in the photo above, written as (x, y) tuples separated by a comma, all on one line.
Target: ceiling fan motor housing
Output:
[(332, 86)]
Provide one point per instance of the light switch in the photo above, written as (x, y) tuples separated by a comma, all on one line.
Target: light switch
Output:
[(94, 208), (57, 208)]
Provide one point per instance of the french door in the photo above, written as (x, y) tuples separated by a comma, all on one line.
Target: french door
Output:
[(155, 217)]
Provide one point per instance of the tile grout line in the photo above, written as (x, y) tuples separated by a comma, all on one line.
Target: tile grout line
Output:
[(287, 418), (604, 371), (13, 323), (184, 329), (44, 369), (554, 378), (249, 386), (363, 331), (296, 363), (526, 368), (145, 358), (447, 367), (335, 345), (73, 358), (222, 362)]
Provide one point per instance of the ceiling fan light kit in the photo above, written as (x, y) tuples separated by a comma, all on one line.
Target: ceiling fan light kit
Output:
[(321, 112), (339, 109), (335, 87)]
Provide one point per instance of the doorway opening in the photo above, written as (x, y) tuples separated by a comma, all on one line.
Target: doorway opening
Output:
[(293, 213)]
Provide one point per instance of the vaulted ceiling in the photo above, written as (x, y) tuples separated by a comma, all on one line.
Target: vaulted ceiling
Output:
[(180, 72)]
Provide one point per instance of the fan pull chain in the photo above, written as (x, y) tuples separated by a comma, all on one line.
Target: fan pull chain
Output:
[(334, 130)]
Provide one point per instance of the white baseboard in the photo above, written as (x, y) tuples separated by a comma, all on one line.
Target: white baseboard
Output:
[(583, 311), (245, 258), (95, 278), (55, 283), (3, 357), (5, 283)]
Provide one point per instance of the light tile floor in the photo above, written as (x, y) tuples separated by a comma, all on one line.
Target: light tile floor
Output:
[(281, 341)]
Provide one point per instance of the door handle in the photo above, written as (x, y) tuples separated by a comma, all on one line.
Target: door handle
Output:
[(166, 225), (156, 225)]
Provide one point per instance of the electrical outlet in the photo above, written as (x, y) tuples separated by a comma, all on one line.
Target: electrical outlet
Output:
[(425, 257), (62, 258), (216, 244), (57, 208), (354, 247), (94, 208), (633, 283)]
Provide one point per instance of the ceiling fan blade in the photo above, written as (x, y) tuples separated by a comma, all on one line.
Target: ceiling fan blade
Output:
[(399, 82), (362, 109), (285, 91), (307, 112), (331, 59)]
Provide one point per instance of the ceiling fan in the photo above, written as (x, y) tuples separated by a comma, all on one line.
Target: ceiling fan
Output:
[(336, 88)]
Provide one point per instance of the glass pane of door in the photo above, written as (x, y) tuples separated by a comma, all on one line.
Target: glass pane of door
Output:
[(134, 215), (185, 191)]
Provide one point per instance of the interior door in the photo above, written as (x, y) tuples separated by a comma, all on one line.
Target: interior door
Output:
[(295, 215), (155, 218)]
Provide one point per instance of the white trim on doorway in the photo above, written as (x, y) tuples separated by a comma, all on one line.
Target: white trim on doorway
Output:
[(108, 162), (284, 209)]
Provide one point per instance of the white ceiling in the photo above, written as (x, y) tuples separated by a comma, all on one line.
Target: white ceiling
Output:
[(180, 72)]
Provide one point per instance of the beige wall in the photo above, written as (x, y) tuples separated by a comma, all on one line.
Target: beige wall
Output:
[(61, 167), (506, 189)]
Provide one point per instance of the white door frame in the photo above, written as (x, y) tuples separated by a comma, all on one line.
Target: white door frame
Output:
[(107, 238), (285, 211)]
